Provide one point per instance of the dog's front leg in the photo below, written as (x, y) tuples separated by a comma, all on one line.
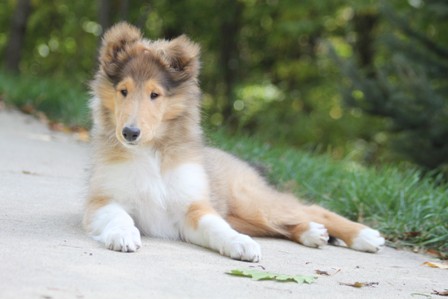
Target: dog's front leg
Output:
[(110, 224), (199, 223), (204, 227)]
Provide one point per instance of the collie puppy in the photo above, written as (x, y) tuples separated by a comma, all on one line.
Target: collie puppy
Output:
[(152, 174)]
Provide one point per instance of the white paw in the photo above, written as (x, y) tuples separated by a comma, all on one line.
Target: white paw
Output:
[(368, 240), (242, 247), (125, 239), (315, 236)]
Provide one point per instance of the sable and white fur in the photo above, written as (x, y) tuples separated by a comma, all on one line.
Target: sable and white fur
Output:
[(153, 175)]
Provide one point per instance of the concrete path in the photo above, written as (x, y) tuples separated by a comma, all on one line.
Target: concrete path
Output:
[(45, 254)]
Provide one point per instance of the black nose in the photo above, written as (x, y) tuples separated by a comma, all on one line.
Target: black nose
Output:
[(131, 133)]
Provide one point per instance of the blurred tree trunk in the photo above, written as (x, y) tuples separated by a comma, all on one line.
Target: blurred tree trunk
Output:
[(17, 33), (229, 54), (364, 26), (104, 14), (124, 10)]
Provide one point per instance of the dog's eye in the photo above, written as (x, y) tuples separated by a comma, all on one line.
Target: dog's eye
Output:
[(124, 92), (154, 95)]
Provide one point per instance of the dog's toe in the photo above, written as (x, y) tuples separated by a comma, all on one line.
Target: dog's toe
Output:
[(315, 236), (243, 248), (368, 240), (125, 239)]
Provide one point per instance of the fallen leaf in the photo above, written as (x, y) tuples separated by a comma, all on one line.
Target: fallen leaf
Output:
[(304, 279), (263, 275), (437, 253), (409, 235), (319, 272), (436, 265), (440, 293), (28, 172), (325, 273), (58, 127), (27, 109), (83, 136), (42, 117), (360, 284)]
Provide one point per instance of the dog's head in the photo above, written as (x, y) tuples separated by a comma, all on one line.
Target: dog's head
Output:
[(145, 84)]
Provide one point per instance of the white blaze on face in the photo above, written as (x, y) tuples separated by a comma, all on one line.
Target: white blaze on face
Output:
[(139, 105)]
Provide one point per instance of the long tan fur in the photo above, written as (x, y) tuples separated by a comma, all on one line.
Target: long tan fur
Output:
[(132, 71)]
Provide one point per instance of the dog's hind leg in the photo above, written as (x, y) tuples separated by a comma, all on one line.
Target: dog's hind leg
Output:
[(355, 235), (256, 209)]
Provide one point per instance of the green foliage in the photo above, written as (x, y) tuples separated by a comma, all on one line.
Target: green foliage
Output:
[(250, 49), (62, 37), (61, 100), (405, 82), (263, 275), (266, 66)]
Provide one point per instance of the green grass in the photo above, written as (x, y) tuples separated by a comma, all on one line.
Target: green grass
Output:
[(61, 100), (410, 210)]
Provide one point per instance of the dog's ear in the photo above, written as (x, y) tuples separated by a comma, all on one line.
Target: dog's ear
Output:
[(115, 49), (182, 58)]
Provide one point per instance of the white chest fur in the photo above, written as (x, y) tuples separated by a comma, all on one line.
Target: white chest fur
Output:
[(156, 201)]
